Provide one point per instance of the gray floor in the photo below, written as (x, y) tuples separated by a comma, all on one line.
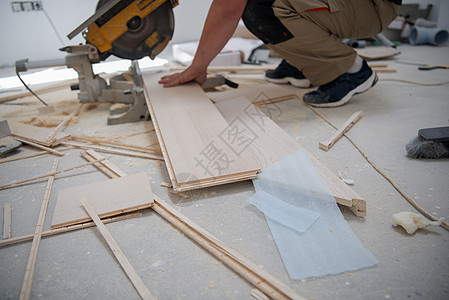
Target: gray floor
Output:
[(79, 265)]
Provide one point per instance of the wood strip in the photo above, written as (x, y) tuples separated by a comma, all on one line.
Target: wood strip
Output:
[(14, 158), (29, 273), (38, 146), (105, 165), (115, 151), (67, 229), (6, 221), (194, 136), (385, 70), (99, 141), (257, 294), (327, 144), (237, 262), (269, 144), (140, 286), (47, 175), (51, 137)]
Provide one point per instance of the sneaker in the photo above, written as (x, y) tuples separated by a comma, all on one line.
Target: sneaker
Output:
[(341, 90), (286, 73)]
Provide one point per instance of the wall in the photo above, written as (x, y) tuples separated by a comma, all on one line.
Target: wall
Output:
[(30, 35)]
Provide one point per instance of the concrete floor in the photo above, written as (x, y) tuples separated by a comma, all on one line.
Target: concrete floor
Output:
[(79, 264)]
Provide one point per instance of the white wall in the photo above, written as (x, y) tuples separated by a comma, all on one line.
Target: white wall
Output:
[(30, 35)]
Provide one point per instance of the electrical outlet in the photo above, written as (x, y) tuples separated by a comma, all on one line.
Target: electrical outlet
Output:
[(19, 6)]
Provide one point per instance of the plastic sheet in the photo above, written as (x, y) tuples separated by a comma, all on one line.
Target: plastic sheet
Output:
[(329, 246)]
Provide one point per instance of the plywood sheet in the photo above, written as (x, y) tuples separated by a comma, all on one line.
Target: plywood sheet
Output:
[(197, 143), (109, 198), (268, 143)]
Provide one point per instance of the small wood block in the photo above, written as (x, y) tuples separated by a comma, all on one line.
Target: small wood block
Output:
[(109, 198), (45, 110), (6, 221)]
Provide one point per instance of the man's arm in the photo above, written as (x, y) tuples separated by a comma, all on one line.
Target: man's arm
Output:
[(221, 22)]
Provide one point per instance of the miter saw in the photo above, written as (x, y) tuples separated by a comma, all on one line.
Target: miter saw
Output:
[(130, 29)]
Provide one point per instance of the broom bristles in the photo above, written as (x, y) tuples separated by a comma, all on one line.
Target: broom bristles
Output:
[(422, 148)]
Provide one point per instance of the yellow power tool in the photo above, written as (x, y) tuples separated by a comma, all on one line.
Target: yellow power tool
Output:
[(130, 29)]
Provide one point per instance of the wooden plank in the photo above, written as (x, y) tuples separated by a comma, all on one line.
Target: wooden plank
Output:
[(140, 286), (116, 151), (377, 52), (109, 198), (105, 166), (193, 137), (46, 175), (6, 221), (261, 94), (51, 232), (35, 134), (267, 283), (13, 158), (29, 273), (327, 144), (39, 146), (112, 143), (270, 144)]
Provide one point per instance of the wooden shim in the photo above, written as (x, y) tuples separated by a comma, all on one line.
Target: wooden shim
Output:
[(237, 262), (272, 144), (105, 165), (6, 221), (51, 137), (191, 133), (100, 141), (35, 134), (46, 175), (67, 229), (116, 151), (327, 144), (111, 197), (39, 146), (261, 94), (29, 273), (140, 286)]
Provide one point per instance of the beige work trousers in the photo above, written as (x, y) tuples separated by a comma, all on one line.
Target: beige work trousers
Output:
[(318, 27)]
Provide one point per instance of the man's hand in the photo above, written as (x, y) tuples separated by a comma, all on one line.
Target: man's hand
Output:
[(190, 74), (221, 22)]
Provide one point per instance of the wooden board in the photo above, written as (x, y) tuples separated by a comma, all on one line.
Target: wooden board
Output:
[(271, 144), (109, 198), (378, 52), (35, 134), (194, 137), (256, 94)]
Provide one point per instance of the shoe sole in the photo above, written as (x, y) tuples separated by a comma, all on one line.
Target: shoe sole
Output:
[(370, 82), (301, 83)]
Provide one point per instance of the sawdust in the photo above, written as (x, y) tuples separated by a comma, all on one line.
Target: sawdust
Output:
[(49, 121)]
